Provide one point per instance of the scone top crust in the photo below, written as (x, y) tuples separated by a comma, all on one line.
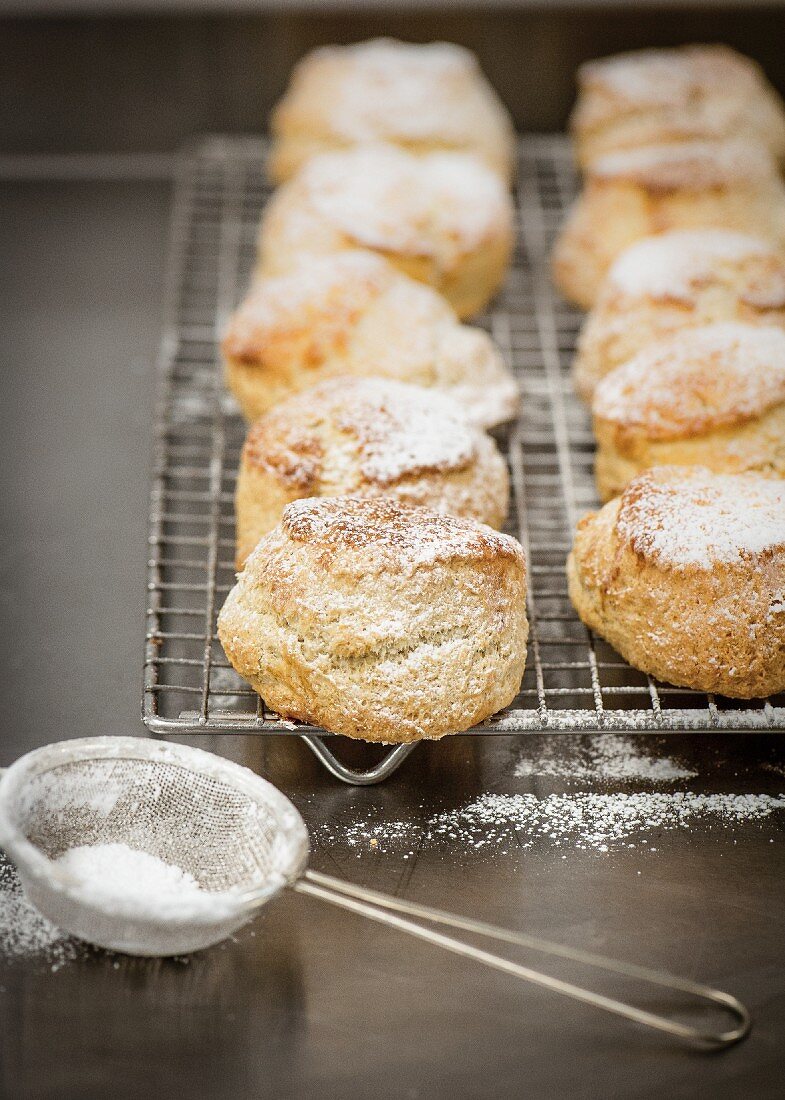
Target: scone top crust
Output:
[(684, 518), (379, 535), (697, 381), (680, 265), (439, 206), (396, 431), (317, 304), (662, 78), (686, 166), (384, 89)]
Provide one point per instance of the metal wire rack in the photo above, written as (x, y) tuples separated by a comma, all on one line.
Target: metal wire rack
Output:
[(573, 681)]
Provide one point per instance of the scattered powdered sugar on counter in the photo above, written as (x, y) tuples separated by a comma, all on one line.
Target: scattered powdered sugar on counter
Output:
[(24, 932), (586, 821), (589, 821), (605, 757)]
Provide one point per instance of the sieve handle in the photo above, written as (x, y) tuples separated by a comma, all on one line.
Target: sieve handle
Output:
[(384, 909)]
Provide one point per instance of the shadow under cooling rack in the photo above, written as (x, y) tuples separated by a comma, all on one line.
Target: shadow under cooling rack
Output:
[(573, 680)]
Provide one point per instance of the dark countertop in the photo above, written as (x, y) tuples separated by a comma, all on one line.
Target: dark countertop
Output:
[(309, 1001)]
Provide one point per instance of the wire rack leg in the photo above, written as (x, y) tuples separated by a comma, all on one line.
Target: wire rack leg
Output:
[(385, 768)]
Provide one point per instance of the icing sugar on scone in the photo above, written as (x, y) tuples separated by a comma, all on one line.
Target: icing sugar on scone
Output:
[(691, 92), (683, 518), (428, 206), (669, 77), (400, 434), (399, 536), (677, 265), (419, 97), (353, 314), (443, 218), (699, 380), (693, 165), (396, 90), (371, 438)]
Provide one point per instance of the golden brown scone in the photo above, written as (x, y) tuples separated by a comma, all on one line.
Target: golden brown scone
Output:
[(647, 97), (380, 620), (641, 192), (422, 98), (678, 280), (367, 437), (444, 219), (711, 396), (684, 575), (352, 314)]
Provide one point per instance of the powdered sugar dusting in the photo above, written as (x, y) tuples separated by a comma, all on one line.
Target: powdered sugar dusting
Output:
[(699, 380), (405, 430), (688, 164), (604, 758), (676, 265), (396, 90), (505, 824), (434, 206), (24, 932), (402, 533), (341, 284), (671, 78), (688, 516)]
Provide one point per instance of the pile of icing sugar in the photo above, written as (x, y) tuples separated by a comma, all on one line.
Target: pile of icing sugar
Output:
[(683, 516), (671, 265), (697, 380), (130, 882)]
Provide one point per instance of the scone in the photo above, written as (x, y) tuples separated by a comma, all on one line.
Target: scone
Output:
[(678, 280), (367, 437), (711, 396), (652, 96), (444, 219), (352, 314), (422, 98), (642, 192), (380, 620), (684, 575)]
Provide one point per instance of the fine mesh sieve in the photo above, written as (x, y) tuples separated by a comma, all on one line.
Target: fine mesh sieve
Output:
[(242, 841)]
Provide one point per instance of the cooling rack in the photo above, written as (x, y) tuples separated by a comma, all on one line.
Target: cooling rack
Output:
[(573, 680)]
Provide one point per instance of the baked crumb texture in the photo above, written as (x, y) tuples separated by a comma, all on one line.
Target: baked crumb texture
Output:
[(684, 575), (711, 396), (642, 192), (367, 437), (420, 98), (380, 620), (352, 314), (443, 218)]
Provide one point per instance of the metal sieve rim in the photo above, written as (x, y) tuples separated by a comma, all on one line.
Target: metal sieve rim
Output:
[(33, 863)]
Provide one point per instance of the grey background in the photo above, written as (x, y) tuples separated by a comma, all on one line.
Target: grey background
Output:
[(147, 82)]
